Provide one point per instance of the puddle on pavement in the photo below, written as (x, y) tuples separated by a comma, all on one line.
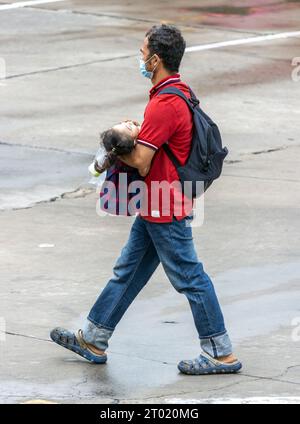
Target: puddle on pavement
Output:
[(30, 175), (221, 10), (256, 15)]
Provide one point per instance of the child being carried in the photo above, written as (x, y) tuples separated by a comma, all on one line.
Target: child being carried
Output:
[(116, 141)]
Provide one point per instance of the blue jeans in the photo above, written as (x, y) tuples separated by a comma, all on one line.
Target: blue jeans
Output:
[(149, 244)]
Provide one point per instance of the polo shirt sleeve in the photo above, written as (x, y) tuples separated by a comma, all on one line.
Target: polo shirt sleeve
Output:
[(159, 124)]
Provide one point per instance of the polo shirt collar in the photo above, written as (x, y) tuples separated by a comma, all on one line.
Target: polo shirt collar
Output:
[(170, 79)]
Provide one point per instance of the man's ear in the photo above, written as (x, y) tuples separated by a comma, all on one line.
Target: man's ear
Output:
[(158, 59), (158, 62)]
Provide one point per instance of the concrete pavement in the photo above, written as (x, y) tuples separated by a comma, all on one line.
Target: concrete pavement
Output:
[(72, 72)]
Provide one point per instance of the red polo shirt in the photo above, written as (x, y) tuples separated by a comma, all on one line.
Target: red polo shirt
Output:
[(167, 118)]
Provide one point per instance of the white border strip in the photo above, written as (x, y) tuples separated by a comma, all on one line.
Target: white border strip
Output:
[(243, 41), (147, 144), (167, 82), (26, 3), (246, 400)]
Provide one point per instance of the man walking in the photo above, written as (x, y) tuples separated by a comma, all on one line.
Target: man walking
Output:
[(159, 235)]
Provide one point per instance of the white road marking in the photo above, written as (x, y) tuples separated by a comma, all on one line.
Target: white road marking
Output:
[(46, 245), (26, 3), (241, 41)]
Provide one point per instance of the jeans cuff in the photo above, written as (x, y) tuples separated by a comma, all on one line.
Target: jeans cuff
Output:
[(96, 335), (217, 346)]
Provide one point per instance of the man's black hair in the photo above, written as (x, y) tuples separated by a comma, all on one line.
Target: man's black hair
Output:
[(167, 42)]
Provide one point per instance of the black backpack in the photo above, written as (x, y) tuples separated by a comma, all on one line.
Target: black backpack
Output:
[(206, 156)]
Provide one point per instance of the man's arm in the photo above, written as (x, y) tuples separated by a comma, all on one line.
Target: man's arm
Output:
[(140, 158), (158, 126)]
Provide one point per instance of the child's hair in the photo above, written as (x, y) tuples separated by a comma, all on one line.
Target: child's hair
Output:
[(115, 143)]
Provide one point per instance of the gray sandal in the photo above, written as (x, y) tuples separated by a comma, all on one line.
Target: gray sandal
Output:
[(76, 343), (206, 364)]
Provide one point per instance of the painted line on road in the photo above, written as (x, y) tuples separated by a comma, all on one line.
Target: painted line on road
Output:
[(241, 41), (26, 3)]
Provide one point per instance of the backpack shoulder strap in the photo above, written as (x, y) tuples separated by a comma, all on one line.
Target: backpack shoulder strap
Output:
[(171, 155), (179, 93)]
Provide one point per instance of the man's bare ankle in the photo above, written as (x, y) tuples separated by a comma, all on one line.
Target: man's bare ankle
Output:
[(228, 358), (95, 349)]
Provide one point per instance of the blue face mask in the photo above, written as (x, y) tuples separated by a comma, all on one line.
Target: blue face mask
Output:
[(143, 70)]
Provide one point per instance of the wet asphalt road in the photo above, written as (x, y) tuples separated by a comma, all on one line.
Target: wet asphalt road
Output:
[(71, 72)]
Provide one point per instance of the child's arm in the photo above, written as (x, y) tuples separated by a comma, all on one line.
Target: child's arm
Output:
[(104, 163)]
